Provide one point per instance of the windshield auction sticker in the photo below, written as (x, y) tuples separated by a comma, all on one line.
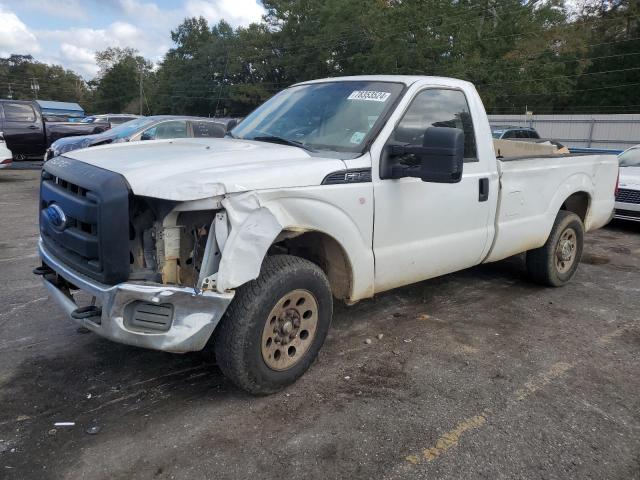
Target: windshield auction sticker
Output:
[(369, 95)]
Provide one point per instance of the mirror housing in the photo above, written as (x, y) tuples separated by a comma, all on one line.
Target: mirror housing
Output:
[(440, 158)]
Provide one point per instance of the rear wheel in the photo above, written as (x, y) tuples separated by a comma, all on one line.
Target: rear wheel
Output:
[(556, 262), (275, 325)]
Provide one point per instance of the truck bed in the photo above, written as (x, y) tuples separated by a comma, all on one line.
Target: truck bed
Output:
[(533, 189)]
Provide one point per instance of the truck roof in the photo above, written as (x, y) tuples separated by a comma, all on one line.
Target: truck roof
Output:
[(406, 79)]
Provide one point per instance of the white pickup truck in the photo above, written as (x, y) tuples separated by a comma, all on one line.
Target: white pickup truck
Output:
[(336, 188)]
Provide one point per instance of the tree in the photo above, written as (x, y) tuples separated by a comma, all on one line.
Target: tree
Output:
[(118, 82), (19, 72)]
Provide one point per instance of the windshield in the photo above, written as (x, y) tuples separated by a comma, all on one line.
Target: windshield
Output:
[(630, 158), (497, 134), (128, 128), (338, 116), (88, 120)]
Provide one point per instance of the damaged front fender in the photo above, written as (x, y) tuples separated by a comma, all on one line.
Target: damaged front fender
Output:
[(253, 229)]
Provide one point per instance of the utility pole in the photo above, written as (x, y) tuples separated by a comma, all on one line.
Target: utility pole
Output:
[(10, 96), (140, 90), (35, 87)]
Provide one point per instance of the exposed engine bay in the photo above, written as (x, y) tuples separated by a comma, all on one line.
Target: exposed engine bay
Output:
[(169, 247)]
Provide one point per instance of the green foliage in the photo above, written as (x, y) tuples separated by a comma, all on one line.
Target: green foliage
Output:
[(612, 30), (521, 54), (117, 87), (55, 83)]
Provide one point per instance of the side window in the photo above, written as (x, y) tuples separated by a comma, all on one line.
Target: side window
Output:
[(208, 129), (119, 120), (165, 130), (533, 134), (509, 134), (19, 112), (437, 108), (522, 134)]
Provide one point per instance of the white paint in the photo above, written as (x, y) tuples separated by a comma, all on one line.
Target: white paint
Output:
[(421, 229), (253, 230), (629, 180), (5, 153), (193, 169)]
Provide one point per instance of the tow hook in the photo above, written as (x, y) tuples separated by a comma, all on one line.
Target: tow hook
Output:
[(89, 311), (42, 270)]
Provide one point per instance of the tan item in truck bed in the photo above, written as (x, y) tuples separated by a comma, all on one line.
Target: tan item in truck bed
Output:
[(514, 148)]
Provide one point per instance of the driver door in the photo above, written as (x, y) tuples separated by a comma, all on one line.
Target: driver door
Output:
[(425, 229)]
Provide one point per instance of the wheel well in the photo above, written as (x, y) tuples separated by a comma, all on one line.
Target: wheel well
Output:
[(577, 203), (324, 251)]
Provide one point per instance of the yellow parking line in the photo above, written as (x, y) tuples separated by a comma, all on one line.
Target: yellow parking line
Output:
[(543, 379), (449, 439)]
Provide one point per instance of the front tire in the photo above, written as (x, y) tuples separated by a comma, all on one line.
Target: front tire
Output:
[(555, 263), (275, 325)]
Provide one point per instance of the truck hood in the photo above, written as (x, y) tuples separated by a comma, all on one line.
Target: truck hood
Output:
[(630, 178), (192, 169)]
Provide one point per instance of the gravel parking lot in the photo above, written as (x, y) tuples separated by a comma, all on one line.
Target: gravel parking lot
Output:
[(478, 374)]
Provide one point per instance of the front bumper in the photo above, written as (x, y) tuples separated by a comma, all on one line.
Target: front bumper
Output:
[(627, 211), (195, 316)]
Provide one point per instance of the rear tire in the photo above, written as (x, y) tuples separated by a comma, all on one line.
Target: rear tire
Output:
[(275, 325), (555, 263)]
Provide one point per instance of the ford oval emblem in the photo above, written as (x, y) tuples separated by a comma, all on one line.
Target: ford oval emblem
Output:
[(56, 217)]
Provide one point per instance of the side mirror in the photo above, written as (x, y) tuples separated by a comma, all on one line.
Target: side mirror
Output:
[(440, 159), (146, 136)]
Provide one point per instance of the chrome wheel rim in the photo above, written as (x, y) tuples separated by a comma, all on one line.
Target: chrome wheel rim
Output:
[(566, 250), (289, 330)]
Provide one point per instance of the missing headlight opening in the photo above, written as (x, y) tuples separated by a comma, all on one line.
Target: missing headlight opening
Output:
[(169, 247)]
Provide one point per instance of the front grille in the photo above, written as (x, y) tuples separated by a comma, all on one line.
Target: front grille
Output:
[(84, 218), (628, 196), (149, 316), (627, 213)]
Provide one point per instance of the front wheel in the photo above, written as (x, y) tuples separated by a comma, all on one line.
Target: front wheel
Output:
[(275, 325), (556, 262)]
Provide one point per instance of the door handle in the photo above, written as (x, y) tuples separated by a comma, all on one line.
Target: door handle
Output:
[(483, 190), (32, 127)]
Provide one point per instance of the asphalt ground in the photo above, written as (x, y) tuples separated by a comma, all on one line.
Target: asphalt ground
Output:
[(479, 374)]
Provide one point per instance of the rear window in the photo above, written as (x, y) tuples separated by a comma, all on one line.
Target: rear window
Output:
[(19, 112), (522, 134), (208, 129)]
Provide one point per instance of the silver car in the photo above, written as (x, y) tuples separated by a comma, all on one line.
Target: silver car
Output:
[(142, 129)]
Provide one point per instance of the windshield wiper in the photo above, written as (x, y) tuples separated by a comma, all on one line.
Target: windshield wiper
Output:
[(283, 141)]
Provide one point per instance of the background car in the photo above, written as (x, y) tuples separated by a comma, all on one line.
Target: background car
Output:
[(112, 119), (6, 157), (28, 134), (628, 195), (144, 128), (506, 132)]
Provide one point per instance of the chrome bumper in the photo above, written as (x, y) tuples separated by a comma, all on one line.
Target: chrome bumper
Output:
[(194, 319)]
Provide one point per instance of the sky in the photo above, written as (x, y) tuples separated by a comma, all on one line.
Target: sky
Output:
[(69, 32)]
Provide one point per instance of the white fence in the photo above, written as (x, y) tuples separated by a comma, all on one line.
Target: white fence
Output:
[(593, 131)]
